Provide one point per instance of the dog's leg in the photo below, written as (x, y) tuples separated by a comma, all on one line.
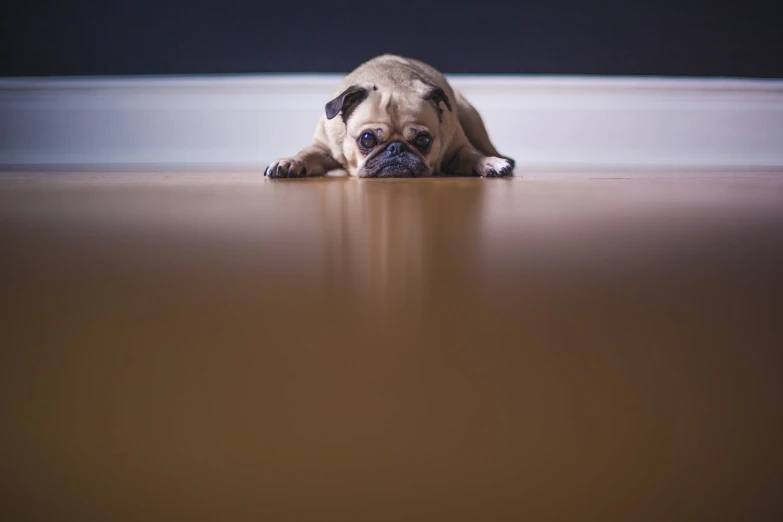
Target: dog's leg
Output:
[(466, 160), (474, 128), (314, 160)]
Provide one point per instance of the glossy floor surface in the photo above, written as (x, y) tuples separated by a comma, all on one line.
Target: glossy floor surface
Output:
[(225, 347)]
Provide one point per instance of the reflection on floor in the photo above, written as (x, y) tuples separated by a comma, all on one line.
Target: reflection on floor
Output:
[(224, 347)]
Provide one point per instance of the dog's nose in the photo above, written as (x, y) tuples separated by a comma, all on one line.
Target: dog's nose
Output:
[(396, 148)]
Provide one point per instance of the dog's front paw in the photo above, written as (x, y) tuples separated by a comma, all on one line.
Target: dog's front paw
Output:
[(286, 168), (491, 167)]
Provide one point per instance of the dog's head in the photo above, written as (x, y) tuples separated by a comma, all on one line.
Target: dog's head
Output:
[(391, 130)]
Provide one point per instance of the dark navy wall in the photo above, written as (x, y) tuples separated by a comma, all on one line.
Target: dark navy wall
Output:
[(648, 37)]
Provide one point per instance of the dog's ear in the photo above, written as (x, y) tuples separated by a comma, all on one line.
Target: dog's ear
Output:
[(346, 101), (437, 95)]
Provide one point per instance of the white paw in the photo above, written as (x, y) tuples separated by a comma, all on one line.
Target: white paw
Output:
[(491, 167)]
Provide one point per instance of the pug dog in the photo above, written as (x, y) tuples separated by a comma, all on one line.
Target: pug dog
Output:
[(397, 117)]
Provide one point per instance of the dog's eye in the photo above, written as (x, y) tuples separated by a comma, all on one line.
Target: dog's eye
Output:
[(368, 140), (422, 141)]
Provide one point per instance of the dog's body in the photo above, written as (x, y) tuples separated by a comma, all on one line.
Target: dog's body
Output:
[(397, 117)]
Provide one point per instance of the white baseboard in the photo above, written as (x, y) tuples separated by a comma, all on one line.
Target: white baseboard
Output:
[(242, 122)]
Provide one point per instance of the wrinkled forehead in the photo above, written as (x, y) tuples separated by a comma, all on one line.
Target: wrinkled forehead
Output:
[(393, 112)]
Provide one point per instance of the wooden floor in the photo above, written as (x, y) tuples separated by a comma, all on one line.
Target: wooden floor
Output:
[(225, 347)]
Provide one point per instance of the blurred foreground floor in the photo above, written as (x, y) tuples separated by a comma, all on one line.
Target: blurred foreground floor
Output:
[(224, 347)]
